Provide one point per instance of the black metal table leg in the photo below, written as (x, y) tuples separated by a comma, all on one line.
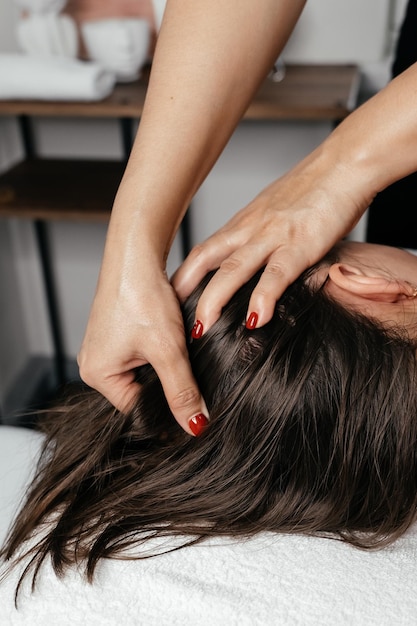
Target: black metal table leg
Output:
[(41, 232), (126, 126), (185, 233)]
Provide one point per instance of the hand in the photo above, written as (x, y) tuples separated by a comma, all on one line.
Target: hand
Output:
[(287, 228), (136, 323), (299, 217)]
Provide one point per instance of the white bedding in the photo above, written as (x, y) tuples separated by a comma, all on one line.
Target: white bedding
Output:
[(269, 580)]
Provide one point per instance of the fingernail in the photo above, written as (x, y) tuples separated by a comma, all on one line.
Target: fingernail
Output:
[(252, 321), (198, 423), (197, 330)]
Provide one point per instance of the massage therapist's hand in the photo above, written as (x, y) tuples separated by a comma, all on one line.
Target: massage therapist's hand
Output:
[(135, 319), (204, 74), (298, 218), (287, 228)]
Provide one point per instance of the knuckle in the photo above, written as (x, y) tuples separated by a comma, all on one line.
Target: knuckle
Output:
[(197, 251), (90, 375), (83, 370), (274, 270), (199, 256), (168, 352), (88, 378), (231, 265), (260, 295), (186, 398)]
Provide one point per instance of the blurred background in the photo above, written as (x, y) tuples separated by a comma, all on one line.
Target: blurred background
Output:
[(329, 31)]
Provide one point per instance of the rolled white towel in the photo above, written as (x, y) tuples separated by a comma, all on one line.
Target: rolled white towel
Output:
[(50, 34), (28, 77), (158, 9), (119, 45), (41, 6)]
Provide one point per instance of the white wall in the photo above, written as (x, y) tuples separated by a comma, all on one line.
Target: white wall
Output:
[(329, 30), (341, 32)]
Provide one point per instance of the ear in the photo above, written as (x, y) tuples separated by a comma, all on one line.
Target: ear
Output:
[(369, 284)]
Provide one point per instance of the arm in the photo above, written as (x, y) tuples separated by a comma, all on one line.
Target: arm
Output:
[(210, 58), (292, 223), (204, 75)]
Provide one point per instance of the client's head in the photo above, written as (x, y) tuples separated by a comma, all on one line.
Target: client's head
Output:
[(313, 427)]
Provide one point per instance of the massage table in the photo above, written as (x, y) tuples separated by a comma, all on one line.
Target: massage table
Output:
[(270, 580)]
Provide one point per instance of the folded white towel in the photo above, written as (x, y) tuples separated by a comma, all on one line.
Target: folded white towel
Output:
[(41, 6), (50, 34), (28, 77), (119, 45)]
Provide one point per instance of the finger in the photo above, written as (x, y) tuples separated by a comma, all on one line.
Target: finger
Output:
[(203, 258), (282, 269), (181, 390), (233, 272)]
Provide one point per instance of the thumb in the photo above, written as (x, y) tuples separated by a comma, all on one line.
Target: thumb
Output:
[(182, 393)]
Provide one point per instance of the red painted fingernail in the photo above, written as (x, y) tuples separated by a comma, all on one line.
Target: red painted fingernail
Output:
[(197, 330), (252, 321), (198, 423)]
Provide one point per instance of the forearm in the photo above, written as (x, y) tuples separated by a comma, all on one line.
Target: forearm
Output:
[(211, 57), (377, 144)]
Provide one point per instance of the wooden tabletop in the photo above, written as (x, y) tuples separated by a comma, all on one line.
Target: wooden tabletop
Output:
[(308, 92)]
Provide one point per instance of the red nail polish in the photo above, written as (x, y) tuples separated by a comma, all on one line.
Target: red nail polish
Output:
[(198, 423), (197, 330), (252, 321)]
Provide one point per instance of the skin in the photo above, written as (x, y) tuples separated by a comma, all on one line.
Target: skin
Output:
[(291, 224), (379, 281), (204, 75), (189, 115)]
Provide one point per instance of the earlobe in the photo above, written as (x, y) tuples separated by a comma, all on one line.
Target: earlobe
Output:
[(367, 283)]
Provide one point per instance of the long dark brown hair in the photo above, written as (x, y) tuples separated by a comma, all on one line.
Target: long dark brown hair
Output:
[(313, 430)]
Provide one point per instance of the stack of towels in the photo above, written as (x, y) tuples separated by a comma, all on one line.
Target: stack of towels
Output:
[(48, 67)]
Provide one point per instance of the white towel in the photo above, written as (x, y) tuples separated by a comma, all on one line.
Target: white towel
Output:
[(271, 580), (29, 77), (19, 452), (50, 34), (267, 581), (41, 6), (158, 9), (119, 45)]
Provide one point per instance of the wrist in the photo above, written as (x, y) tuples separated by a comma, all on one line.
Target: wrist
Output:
[(347, 170), (137, 233)]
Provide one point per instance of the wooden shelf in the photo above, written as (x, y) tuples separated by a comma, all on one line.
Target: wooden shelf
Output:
[(308, 92), (57, 189), (60, 189), (84, 190)]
